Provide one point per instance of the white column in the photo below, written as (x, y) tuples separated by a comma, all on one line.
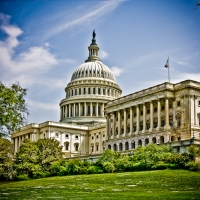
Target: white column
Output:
[(144, 117), (97, 109), (195, 115), (174, 112), (114, 124), (151, 115), (108, 125), (138, 117), (74, 112), (119, 122), (131, 119), (125, 120), (60, 112), (69, 110), (79, 109), (85, 109), (102, 110), (182, 110), (91, 109), (166, 113), (159, 115)]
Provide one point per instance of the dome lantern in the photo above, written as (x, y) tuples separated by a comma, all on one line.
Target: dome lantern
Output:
[(93, 50)]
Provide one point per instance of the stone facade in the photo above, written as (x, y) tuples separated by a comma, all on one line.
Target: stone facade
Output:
[(94, 117)]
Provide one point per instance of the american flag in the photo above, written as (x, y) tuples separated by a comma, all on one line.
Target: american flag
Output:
[(167, 63)]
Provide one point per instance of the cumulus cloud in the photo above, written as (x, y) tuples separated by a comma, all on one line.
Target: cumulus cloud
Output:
[(117, 71), (103, 54), (25, 66)]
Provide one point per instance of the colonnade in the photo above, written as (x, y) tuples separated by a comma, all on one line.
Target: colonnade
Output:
[(82, 109), (145, 117)]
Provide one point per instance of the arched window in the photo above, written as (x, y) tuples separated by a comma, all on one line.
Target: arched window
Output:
[(115, 147), (146, 141), (109, 146), (147, 125), (126, 146), (155, 122), (120, 147), (140, 142), (154, 140), (67, 146), (76, 145), (133, 144), (161, 139)]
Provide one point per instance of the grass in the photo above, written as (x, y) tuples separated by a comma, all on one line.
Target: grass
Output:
[(163, 184)]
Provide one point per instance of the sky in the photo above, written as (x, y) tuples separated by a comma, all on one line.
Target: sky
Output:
[(42, 42)]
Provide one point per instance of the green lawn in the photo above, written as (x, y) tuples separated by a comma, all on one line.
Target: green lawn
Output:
[(163, 184)]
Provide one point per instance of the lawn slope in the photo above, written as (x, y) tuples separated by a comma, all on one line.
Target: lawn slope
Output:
[(163, 184)]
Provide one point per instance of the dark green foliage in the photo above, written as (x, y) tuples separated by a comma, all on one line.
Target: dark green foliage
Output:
[(13, 110), (40, 174), (6, 159), (108, 167), (194, 151), (22, 177), (94, 170), (193, 166), (160, 166)]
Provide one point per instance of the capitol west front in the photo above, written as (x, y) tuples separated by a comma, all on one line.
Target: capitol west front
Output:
[(94, 116)]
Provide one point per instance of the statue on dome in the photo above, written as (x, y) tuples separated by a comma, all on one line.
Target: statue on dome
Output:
[(94, 34)]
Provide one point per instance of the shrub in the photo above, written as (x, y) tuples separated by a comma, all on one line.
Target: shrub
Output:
[(22, 177), (40, 174), (94, 170), (62, 171), (140, 166), (122, 164), (173, 166), (193, 166), (108, 167), (160, 166)]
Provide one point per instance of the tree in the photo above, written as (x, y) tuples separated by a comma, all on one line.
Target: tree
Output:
[(6, 159), (13, 110), (27, 158), (49, 151)]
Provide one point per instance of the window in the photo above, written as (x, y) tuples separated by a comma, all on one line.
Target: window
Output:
[(162, 123), (155, 109), (178, 121), (94, 92), (67, 146), (134, 114), (83, 90), (128, 116), (99, 91), (76, 146), (94, 110), (97, 147), (155, 124), (199, 121), (199, 103), (103, 91), (170, 105), (92, 148), (79, 91), (92, 137), (76, 137), (66, 136), (97, 136), (88, 90), (75, 91), (88, 110), (178, 103), (141, 113), (103, 135), (148, 111), (163, 108), (98, 110), (72, 92)]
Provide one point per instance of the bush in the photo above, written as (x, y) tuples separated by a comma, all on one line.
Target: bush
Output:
[(160, 166), (40, 174), (140, 166), (122, 164), (108, 167), (173, 166), (22, 177), (193, 166), (62, 171), (94, 170)]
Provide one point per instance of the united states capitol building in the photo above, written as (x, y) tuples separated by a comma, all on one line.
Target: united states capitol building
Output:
[(94, 116)]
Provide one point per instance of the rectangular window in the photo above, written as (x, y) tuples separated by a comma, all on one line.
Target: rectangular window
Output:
[(92, 148), (98, 110), (83, 90), (178, 103), (199, 103), (155, 109), (97, 147), (128, 116), (72, 92), (103, 91), (75, 91), (88, 90), (141, 113), (148, 111), (79, 91), (135, 114), (94, 92), (67, 146), (88, 110), (179, 121), (94, 110), (163, 108), (99, 91)]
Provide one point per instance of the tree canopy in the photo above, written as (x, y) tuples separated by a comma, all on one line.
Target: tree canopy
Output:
[(13, 110)]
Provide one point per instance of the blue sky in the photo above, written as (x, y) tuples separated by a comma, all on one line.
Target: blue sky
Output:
[(42, 42)]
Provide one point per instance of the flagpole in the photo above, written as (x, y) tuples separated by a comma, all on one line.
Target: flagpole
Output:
[(168, 71)]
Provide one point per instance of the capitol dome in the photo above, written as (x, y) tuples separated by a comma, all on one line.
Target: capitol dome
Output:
[(93, 69), (91, 87)]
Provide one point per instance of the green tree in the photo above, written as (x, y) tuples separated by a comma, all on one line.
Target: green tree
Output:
[(27, 158), (13, 110), (49, 150), (108, 156), (151, 153), (6, 159)]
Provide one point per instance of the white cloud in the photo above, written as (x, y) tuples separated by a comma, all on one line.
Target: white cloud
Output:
[(27, 66), (103, 54), (102, 9), (117, 71)]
